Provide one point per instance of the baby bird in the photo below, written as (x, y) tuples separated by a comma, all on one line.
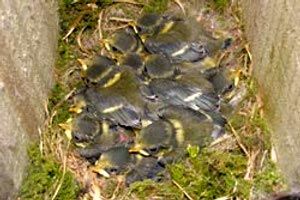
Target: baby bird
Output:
[(191, 127), (220, 79), (114, 108), (123, 41), (185, 41), (113, 161), (145, 168), (116, 93), (181, 94), (153, 138), (111, 136), (158, 66), (132, 60), (85, 128)]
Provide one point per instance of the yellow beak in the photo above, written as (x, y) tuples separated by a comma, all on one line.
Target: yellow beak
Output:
[(68, 128), (143, 38), (77, 107), (138, 149), (133, 25), (104, 173), (100, 171)]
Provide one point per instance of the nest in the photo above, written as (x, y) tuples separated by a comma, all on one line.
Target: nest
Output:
[(86, 40)]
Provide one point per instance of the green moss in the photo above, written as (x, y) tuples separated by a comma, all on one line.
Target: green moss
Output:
[(149, 188), (257, 135), (44, 174), (157, 6), (253, 127), (62, 111), (268, 179), (212, 175), (57, 94), (66, 55), (75, 15), (221, 5), (106, 2)]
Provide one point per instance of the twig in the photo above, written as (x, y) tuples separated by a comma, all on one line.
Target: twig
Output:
[(224, 198), (274, 155), (51, 117), (251, 164), (41, 146), (64, 172), (248, 51), (120, 19), (115, 191), (181, 188), (238, 139), (46, 110), (78, 39), (74, 25), (129, 2), (180, 6), (263, 159), (100, 24), (96, 193), (116, 28), (249, 67), (220, 140), (61, 102)]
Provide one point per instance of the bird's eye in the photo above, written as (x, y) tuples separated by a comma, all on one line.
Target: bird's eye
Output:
[(114, 49), (230, 87), (113, 170), (139, 29), (78, 137), (153, 149)]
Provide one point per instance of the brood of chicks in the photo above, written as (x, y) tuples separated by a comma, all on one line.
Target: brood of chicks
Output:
[(151, 98)]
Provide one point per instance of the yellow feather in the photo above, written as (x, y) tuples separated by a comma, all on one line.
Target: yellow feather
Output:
[(112, 109), (113, 80), (105, 128), (209, 62), (179, 130), (180, 51), (167, 27)]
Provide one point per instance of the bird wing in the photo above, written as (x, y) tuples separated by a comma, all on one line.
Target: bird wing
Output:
[(184, 95), (114, 108)]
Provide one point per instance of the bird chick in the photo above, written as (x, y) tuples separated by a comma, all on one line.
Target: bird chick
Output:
[(132, 60), (176, 93), (158, 66), (185, 41), (220, 78), (101, 66), (113, 161), (145, 168), (123, 41), (153, 138), (114, 108), (192, 127), (85, 128), (111, 136), (150, 24)]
